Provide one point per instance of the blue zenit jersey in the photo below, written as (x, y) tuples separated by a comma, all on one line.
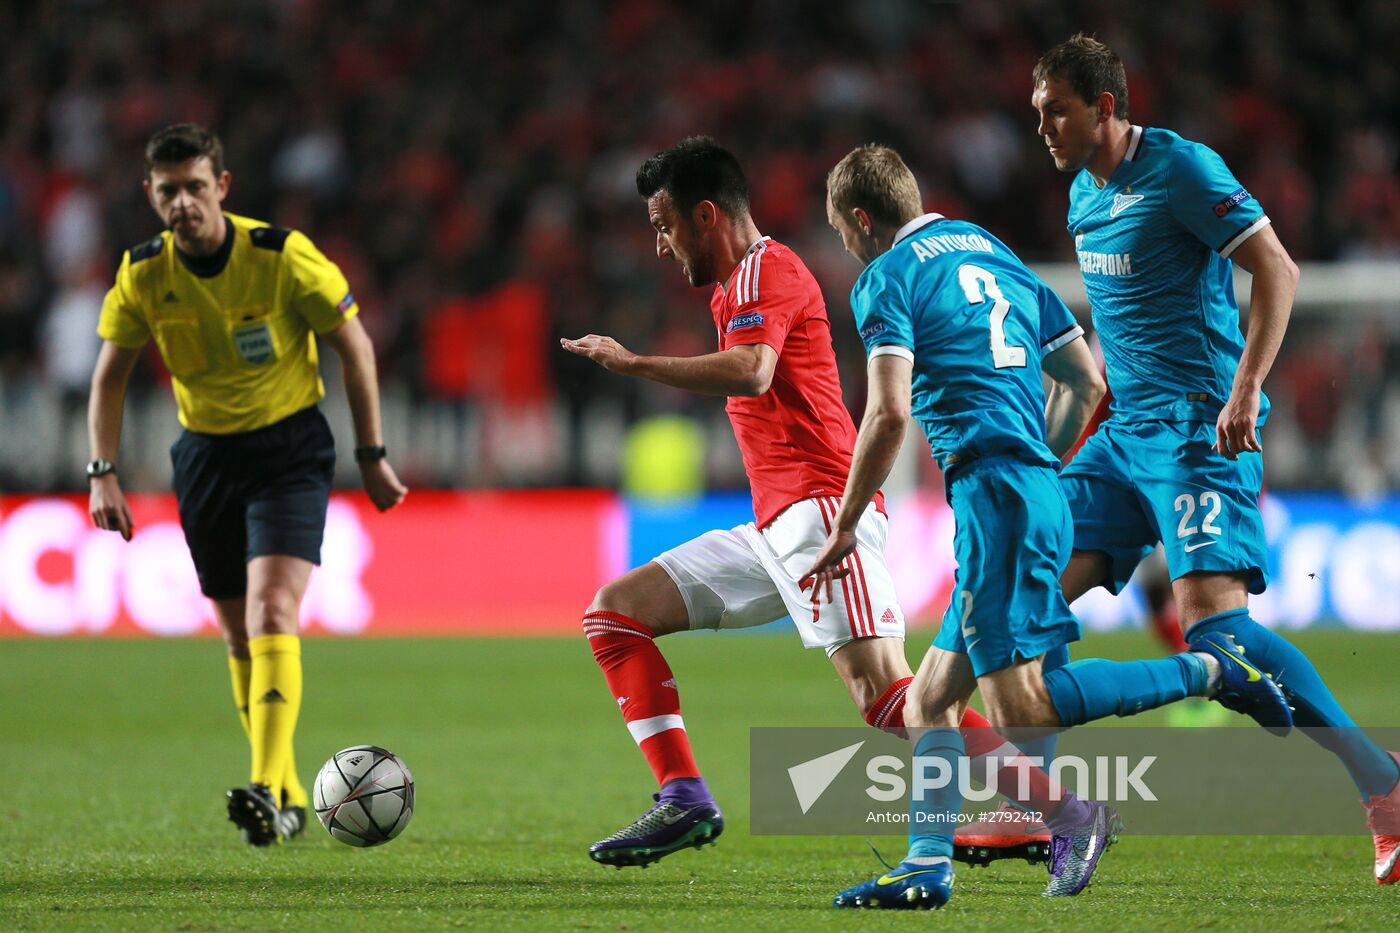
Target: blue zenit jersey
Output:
[(1154, 247), (976, 323)]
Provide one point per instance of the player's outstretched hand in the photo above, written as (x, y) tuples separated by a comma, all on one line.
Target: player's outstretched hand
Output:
[(604, 351), (1235, 428), (829, 564), (382, 484), (107, 505)]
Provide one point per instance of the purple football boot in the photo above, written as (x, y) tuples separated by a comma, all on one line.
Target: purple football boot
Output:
[(685, 816), (1080, 833)]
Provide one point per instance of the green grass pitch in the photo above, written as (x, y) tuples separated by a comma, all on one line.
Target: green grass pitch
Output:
[(117, 754)]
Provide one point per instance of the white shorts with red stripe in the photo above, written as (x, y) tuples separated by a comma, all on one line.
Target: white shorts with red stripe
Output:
[(744, 577)]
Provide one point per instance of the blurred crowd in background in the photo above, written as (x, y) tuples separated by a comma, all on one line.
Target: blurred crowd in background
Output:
[(470, 167)]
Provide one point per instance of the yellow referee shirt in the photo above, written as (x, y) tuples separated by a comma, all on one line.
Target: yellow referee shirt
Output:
[(235, 329)]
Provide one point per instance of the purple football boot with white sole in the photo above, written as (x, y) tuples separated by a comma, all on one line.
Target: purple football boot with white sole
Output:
[(685, 817), (1080, 832)]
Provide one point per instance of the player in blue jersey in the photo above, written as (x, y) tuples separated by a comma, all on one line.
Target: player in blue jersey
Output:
[(1157, 221), (959, 330)]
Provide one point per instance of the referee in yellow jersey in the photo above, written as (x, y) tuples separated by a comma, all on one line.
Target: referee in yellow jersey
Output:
[(235, 307)]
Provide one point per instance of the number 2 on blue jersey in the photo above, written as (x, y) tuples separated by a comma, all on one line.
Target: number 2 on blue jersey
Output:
[(978, 285)]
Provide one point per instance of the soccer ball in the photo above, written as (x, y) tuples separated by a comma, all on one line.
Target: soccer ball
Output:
[(364, 796)]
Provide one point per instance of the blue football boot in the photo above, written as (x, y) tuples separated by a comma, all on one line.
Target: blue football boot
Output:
[(904, 887), (663, 829), (1243, 687)]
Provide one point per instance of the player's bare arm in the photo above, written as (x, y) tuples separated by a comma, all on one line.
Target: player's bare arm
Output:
[(877, 448), (106, 502), (1270, 304), (1076, 388), (743, 371), (356, 352)]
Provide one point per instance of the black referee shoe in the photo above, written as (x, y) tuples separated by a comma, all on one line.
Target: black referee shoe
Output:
[(293, 822), (252, 810)]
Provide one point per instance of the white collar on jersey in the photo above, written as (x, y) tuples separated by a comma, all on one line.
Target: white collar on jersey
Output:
[(915, 224), (1134, 141)]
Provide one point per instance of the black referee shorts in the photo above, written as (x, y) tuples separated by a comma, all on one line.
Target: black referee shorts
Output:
[(247, 495)]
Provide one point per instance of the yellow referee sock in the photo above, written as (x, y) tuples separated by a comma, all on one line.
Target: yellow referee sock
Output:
[(275, 690), (241, 671), (296, 795)]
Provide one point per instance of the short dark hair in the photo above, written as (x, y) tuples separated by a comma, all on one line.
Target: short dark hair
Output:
[(181, 142), (1090, 67), (693, 170)]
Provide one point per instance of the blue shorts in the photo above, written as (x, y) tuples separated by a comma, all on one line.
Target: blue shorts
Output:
[(1012, 540), (1133, 485)]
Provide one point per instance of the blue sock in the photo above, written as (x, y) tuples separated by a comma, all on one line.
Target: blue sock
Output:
[(1314, 708), (932, 820), (1093, 688)]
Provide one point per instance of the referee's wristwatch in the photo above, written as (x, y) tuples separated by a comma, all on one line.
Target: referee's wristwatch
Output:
[(100, 468), (370, 454)]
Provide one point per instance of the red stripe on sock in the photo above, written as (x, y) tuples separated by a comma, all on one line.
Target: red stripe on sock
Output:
[(896, 705), (644, 687), (888, 708), (619, 618), (895, 716)]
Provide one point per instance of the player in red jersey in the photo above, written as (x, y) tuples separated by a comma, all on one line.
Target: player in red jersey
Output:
[(776, 365)]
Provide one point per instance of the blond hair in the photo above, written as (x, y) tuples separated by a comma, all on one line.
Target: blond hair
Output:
[(875, 178)]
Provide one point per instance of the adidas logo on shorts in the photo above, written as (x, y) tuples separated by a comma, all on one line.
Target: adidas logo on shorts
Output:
[(888, 618)]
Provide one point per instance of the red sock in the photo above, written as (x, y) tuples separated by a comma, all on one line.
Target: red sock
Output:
[(641, 680), (981, 739), (1167, 628), (888, 711)]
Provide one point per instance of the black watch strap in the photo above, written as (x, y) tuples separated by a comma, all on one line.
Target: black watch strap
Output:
[(100, 468), (370, 454)]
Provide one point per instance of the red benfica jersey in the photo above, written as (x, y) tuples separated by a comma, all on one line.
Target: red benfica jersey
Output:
[(797, 437)]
